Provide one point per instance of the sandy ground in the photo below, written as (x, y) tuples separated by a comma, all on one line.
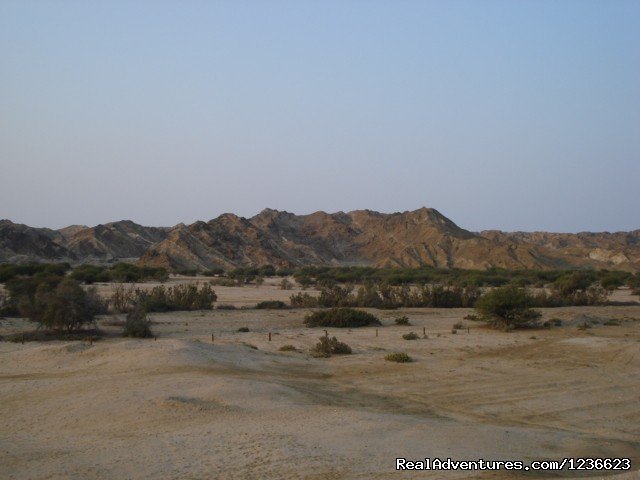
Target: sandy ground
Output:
[(184, 407)]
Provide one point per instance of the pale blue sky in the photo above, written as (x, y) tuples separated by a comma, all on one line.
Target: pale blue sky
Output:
[(518, 115)]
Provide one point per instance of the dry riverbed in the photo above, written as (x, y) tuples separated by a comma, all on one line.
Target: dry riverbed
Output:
[(183, 406)]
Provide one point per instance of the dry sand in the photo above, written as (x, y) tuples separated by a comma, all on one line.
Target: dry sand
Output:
[(183, 407)]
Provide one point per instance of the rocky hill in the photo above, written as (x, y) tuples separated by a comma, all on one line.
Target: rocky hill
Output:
[(422, 237)]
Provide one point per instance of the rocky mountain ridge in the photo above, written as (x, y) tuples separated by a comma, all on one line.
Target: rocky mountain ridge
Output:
[(422, 237)]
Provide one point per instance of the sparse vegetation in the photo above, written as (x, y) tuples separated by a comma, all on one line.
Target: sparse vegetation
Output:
[(328, 346), (574, 289), (508, 307), (9, 271), (340, 318), (404, 320), (226, 306), (384, 295), (271, 305), (285, 284), (164, 299), (120, 272), (243, 329), (458, 326), (288, 348), (410, 336), (223, 282), (493, 277), (399, 357), (303, 300)]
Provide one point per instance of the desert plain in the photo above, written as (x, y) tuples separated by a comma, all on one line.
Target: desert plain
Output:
[(186, 406)]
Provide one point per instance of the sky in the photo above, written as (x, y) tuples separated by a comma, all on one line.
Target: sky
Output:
[(512, 115)]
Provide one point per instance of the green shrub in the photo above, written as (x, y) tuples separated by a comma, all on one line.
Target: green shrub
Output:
[(137, 324), (129, 273), (61, 305), (404, 320), (9, 271), (508, 306), (398, 358), (89, 274), (243, 329), (458, 326), (410, 336), (330, 346), (340, 318), (271, 305)]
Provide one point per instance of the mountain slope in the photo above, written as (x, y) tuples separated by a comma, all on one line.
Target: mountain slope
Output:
[(20, 243), (423, 237)]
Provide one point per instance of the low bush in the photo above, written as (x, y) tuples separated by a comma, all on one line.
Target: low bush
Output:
[(39, 335), (226, 306), (410, 336), (340, 318), (398, 358), (508, 307), (137, 324), (224, 282), (164, 299), (243, 329), (288, 348), (271, 305), (404, 320), (330, 346), (458, 326)]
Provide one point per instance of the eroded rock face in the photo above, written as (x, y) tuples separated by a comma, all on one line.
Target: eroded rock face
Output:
[(362, 237)]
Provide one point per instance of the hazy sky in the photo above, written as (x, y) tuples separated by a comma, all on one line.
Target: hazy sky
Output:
[(515, 114)]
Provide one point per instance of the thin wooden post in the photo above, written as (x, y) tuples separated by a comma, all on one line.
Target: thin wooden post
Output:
[(212, 338), (326, 334), (376, 332), (424, 330), (269, 336)]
